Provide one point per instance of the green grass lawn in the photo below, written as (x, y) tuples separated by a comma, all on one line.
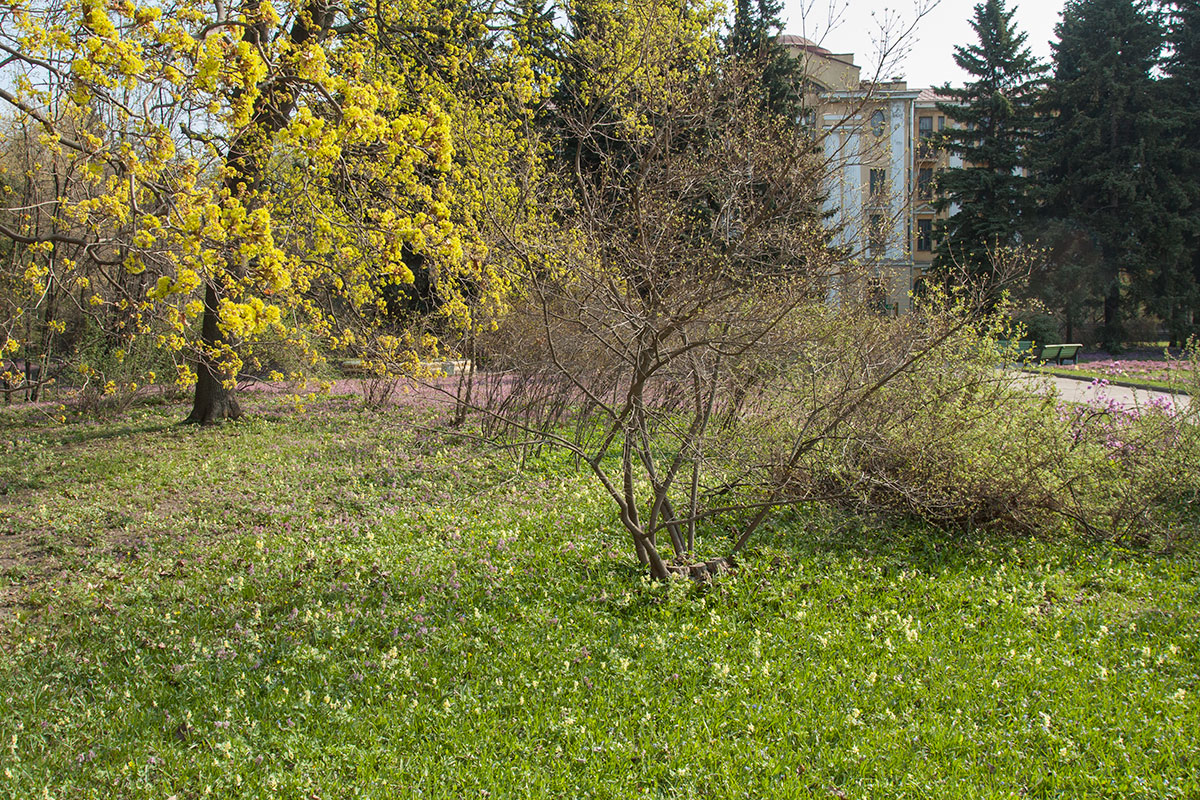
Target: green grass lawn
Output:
[(341, 604), (1084, 374)]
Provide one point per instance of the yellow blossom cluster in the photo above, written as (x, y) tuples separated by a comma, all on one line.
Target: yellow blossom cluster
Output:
[(263, 169)]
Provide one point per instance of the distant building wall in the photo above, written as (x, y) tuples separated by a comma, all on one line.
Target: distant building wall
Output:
[(884, 178)]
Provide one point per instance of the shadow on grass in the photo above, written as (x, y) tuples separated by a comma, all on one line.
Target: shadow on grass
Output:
[(114, 433), (911, 544), (120, 429)]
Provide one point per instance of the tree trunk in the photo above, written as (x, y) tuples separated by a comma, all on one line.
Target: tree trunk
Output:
[(214, 402), (658, 567), (466, 383), (1113, 328), (245, 165)]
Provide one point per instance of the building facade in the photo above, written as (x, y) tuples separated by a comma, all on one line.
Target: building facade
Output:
[(878, 139)]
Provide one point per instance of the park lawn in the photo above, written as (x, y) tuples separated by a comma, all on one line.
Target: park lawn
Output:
[(1134, 379), (342, 603)]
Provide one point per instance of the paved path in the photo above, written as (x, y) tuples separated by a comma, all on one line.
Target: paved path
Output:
[(1077, 391)]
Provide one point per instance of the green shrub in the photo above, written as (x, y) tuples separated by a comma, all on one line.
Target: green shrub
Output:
[(1041, 328), (110, 371), (965, 445)]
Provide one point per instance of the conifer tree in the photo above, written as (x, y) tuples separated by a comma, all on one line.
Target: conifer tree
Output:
[(994, 115), (1176, 290), (755, 38), (1100, 155)]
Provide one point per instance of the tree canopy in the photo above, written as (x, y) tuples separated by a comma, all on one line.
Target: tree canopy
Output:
[(206, 176), (1175, 287), (1099, 155), (994, 115)]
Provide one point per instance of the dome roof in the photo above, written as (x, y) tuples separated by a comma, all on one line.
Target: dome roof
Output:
[(791, 40)]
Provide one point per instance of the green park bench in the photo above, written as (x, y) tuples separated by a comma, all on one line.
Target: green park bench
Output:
[(1059, 353), (1031, 351)]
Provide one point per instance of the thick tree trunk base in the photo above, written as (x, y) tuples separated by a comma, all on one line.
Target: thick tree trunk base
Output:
[(215, 413), (214, 403), (703, 570)]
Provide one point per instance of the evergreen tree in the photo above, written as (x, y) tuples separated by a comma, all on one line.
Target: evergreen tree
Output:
[(754, 38), (1176, 295), (534, 29), (994, 115), (1101, 154), (754, 48)]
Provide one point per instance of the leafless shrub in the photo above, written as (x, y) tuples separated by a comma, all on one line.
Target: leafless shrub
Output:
[(679, 340)]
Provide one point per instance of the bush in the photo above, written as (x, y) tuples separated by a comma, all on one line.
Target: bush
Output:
[(966, 446), (115, 370), (1041, 328)]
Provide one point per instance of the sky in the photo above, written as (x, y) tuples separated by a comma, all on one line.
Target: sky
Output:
[(925, 55)]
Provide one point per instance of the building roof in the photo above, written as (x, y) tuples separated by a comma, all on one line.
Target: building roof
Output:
[(791, 40), (809, 46), (931, 96)]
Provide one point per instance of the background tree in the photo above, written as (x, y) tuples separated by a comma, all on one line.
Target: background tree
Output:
[(1099, 155), (994, 113), (1175, 291), (221, 170), (754, 38)]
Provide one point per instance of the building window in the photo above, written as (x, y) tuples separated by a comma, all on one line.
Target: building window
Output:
[(876, 235), (877, 296), (941, 124), (925, 183), (925, 136), (925, 235), (878, 181), (877, 120)]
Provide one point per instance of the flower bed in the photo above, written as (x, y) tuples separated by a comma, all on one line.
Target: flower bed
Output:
[(1150, 367)]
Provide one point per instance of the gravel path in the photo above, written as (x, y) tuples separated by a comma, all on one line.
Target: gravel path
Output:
[(1077, 391)]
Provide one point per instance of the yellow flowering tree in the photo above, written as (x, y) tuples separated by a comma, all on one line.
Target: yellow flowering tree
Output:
[(207, 175)]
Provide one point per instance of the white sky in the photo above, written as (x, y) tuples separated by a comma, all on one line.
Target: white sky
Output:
[(926, 57)]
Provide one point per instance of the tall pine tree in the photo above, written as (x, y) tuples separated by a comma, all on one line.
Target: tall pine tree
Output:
[(1101, 152), (994, 115), (754, 38), (1176, 289)]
